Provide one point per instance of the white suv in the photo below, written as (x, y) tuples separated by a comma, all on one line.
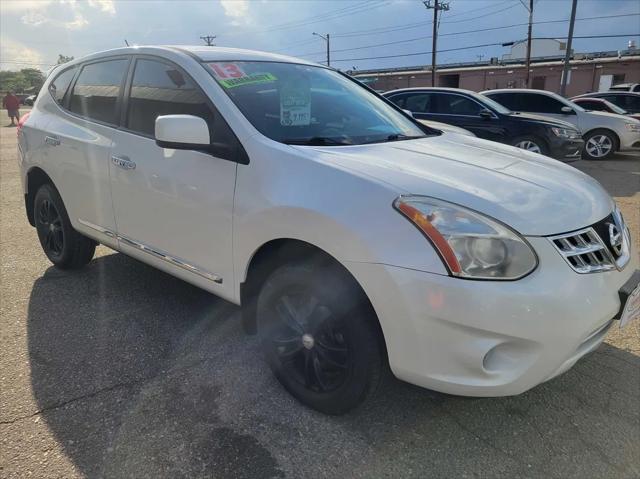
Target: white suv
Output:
[(604, 133), (354, 237)]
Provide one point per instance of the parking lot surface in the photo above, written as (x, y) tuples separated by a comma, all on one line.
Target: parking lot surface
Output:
[(119, 370)]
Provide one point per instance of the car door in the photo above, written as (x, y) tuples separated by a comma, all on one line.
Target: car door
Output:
[(79, 136), (465, 112), (174, 208)]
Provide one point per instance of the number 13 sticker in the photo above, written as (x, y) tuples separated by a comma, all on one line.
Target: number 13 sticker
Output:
[(227, 70)]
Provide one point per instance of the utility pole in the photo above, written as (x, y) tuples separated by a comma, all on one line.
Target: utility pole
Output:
[(326, 39), (567, 55), (528, 62), (208, 39), (437, 5)]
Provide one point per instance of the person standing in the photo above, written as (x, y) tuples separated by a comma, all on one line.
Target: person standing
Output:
[(12, 104)]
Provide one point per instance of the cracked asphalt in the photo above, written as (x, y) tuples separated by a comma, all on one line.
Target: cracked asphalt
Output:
[(120, 370)]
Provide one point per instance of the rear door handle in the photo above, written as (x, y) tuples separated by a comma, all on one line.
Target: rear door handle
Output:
[(123, 162), (52, 140)]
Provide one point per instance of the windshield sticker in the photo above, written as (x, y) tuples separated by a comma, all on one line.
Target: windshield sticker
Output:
[(295, 102), (231, 75)]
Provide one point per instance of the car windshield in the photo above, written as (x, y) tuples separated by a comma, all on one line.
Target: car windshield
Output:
[(493, 104), (303, 104)]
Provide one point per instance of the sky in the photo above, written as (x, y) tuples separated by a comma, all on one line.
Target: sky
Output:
[(34, 32)]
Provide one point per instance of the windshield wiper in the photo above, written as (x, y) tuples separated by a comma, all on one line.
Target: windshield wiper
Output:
[(396, 137), (314, 141)]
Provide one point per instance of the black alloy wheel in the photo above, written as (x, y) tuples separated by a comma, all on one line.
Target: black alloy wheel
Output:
[(50, 232), (320, 336)]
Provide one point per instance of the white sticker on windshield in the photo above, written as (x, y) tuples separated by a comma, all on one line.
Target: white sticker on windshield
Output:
[(295, 102)]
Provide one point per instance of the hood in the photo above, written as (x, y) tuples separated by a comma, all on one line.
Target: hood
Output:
[(535, 195), (607, 114), (518, 116)]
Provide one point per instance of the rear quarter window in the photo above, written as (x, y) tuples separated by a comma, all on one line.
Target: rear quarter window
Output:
[(60, 84)]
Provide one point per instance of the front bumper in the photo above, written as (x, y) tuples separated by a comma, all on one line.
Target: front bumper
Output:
[(561, 148), (629, 140), (491, 338)]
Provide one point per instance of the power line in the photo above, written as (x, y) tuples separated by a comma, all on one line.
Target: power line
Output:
[(465, 32), (353, 9), (480, 46)]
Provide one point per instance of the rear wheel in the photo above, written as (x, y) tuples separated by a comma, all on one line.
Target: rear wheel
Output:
[(532, 144), (320, 337), (599, 145), (64, 246)]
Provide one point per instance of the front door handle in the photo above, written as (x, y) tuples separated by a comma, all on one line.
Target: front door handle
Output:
[(123, 162), (52, 140)]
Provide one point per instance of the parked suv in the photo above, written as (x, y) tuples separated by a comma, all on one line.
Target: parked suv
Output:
[(356, 239), (491, 121), (603, 133), (634, 87)]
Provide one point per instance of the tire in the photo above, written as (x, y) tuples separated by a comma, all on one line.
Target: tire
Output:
[(531, 143), (599, 145), (320, 336), (64, 246)]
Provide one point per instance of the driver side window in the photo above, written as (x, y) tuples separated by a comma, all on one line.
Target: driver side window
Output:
[(160, 88)]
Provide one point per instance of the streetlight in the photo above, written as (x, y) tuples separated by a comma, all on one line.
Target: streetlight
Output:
[(326, 39)]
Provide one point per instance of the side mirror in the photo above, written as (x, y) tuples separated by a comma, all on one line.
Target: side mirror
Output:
[(486, 115), (182, 132), (408, 112), (567, 110)]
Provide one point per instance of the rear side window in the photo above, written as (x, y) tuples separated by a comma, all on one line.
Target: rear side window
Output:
[(96, 91), (505, 99), (449, 104), (161, 89), (59, 86)]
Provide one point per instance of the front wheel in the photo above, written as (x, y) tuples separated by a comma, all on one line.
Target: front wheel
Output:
[(599, 145), (531, 143), (64, 246), (320, 337)]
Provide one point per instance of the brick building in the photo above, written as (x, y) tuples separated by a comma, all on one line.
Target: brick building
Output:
[(589, 72)]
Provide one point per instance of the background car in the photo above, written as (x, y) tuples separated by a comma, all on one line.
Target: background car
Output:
[(628, 101), (30, 100), (600, 104), (626, 87), (489, 120), (603, 133)]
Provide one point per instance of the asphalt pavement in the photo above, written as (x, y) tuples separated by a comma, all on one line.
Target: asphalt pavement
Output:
[(119, 370)]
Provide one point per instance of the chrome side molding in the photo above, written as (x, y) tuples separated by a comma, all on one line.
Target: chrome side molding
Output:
[(157, 253)]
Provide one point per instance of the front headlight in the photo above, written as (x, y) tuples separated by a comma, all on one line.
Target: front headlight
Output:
[(565, 133), (633, 126), (470, 244)]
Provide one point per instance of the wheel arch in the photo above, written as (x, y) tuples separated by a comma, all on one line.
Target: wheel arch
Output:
[(276, 252), (36, 177)]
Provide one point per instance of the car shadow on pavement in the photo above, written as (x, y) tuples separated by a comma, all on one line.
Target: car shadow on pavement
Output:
[(139, 374)]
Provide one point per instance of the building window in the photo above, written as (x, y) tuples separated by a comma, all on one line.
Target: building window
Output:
[(618, 78)]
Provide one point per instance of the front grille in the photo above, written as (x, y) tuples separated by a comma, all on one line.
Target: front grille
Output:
[(601, 247)]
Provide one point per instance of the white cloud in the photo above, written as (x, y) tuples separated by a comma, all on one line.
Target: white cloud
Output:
[(33, 18), (107, 6), (17, 6), (12, 52), (235, 8)]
